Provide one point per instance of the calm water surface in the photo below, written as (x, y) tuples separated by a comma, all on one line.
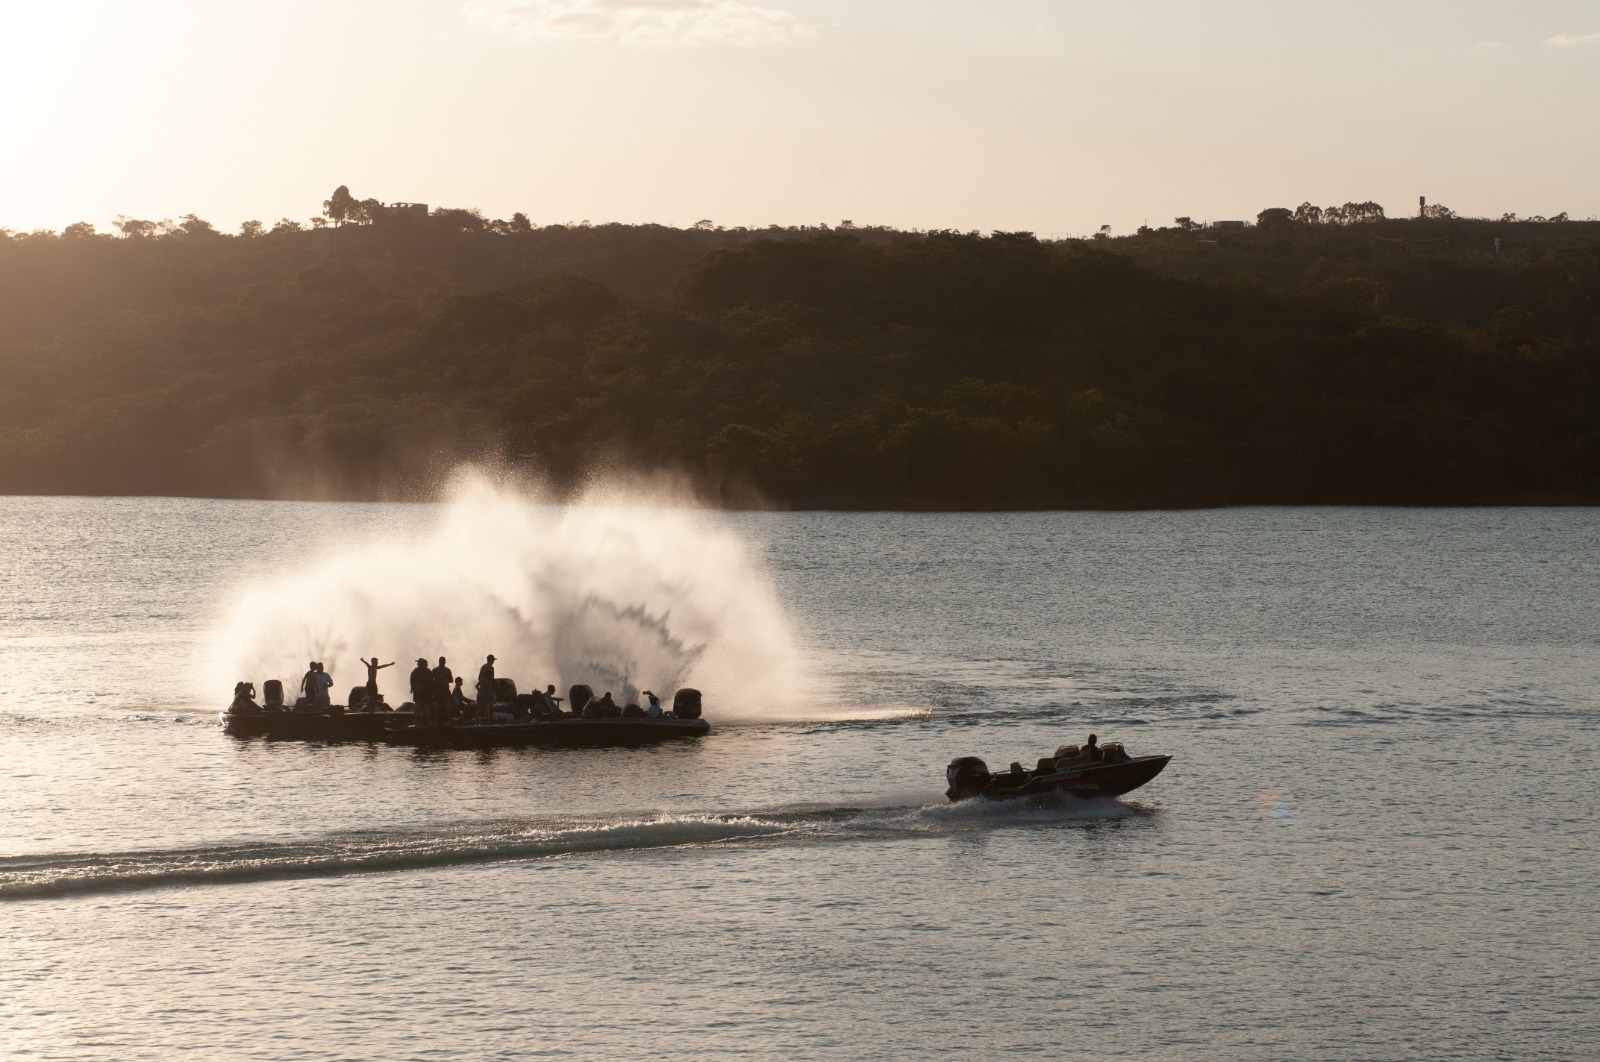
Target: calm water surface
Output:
[(1376, 839)]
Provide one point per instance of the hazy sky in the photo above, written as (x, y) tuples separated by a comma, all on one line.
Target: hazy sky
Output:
[(1050, 115)]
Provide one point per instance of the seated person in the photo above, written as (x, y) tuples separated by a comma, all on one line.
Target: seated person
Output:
[(1075, 756), (654, 711), (604, 708)]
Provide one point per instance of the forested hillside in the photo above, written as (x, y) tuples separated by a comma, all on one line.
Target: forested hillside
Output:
[(1294, 361)]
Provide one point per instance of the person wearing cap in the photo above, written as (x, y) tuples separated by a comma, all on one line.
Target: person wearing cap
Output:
[(422, 692), (486, 688)]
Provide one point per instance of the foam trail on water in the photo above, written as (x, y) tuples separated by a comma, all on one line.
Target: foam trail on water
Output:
[(622, 593), (46, 875)]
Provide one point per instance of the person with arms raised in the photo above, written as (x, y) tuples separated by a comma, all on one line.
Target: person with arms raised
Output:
[(373, 667)]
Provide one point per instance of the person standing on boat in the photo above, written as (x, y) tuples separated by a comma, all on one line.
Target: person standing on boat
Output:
[(486, 688), (308, 685), (422, 689), (373, 667), (443, 679), (324, 685)]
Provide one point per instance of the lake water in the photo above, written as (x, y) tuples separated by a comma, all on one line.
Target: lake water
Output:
[(1375, 841)]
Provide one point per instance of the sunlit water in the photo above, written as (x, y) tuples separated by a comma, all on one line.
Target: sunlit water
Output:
[(1376, 839)]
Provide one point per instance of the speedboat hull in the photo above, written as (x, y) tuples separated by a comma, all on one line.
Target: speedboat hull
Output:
[(550, 732), (1089, 782)]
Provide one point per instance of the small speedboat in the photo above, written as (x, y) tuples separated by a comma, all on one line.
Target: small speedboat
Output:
[(1109, 773)]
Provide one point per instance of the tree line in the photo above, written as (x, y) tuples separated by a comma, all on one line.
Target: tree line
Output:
[(1362, 359)]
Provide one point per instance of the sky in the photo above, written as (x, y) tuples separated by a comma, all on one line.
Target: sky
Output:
[(1054, 116)]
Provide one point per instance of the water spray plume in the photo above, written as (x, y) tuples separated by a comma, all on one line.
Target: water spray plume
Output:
[(625, 589)]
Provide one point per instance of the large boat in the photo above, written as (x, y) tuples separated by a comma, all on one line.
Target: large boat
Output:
[(1103, 771), (516, 719)]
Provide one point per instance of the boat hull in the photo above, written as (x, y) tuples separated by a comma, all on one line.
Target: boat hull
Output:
[(311, 726), (1090, 783), (550, 732)]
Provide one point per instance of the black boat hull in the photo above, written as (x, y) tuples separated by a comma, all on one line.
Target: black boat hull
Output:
[(550, 732), (311, 726), (1090, 783)]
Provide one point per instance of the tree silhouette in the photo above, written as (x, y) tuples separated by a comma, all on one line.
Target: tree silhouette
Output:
[(1308, 214), (1275, 218), (189, 225), (341, 207), (135, 228)]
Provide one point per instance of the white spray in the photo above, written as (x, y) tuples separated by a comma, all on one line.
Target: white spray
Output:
[(623, 594)]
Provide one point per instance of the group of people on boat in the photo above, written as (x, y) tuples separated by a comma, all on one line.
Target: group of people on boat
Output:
[(439, 696)]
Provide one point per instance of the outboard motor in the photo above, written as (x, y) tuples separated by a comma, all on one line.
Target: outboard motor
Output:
[(967, 776), (686, 704), (358, 699), (505, 691), (272, 693), (578, 697)]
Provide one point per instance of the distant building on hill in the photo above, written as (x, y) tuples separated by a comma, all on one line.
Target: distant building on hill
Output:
[(404, 211), (1228, 224)]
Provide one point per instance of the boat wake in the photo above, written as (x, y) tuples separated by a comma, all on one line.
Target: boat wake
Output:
[(41, 876)]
